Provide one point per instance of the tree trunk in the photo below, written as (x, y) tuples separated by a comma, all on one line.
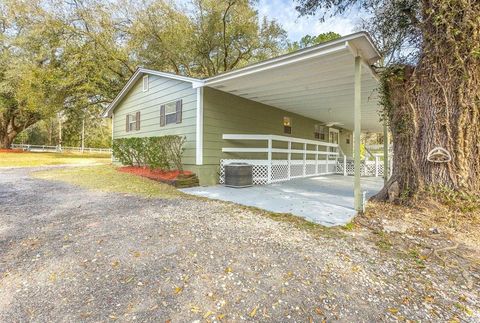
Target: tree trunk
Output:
[(437, 104), (8, 132), (7, 140)]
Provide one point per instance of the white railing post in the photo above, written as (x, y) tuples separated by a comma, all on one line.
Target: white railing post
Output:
[(289, 159), (269, 166), (327, 162), (376, 166), (304, 159), (316, 160), (345, 165)]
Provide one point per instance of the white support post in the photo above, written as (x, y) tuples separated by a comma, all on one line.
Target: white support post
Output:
[(356, 134), (377, 164), (304, 159), (327, 161), (289, 160), (345, 165), (316, 160), (199, 128), (269, 166)]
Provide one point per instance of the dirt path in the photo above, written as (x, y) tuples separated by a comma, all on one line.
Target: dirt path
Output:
[(67, 254)]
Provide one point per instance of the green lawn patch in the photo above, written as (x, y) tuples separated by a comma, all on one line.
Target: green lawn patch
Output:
[(30, 159), (107, 178)]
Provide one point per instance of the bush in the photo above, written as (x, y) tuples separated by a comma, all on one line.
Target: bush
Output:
[(162, 153)]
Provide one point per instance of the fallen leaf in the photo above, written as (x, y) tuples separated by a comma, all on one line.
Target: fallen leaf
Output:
[(228, 270), (393, 310), (253, 312), (178, 290), (194, 309), (428, 299), (207, 314)]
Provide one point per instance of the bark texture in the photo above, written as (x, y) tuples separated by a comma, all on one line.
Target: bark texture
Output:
[(437, 103), (12, 122)]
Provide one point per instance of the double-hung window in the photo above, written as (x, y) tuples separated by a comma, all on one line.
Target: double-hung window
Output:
[(133, 121), (171, 112)]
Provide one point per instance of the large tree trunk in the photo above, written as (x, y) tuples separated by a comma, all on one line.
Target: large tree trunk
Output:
[(437, 104), (8, 132)]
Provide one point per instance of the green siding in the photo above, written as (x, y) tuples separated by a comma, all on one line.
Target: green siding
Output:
[(161, 90), (225, 113)]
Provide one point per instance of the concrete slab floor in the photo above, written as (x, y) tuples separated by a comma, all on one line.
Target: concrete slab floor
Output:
[(327, 200)]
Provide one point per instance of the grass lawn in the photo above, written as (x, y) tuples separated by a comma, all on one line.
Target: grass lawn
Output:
[(30, 159), (107, 178)]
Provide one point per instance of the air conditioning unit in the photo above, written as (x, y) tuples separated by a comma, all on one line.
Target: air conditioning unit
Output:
[(238, 175)]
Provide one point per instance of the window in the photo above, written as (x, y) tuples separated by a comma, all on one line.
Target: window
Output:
[(287, 125), (171, 112), (133, 121), (319, 132), (145, 83), (347, 141)]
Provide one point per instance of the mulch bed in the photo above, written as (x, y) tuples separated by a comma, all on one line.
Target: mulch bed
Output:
[(11, 151), (176, 178)]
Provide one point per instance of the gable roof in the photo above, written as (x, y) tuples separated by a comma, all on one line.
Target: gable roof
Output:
[(140, 72), (359, 43)]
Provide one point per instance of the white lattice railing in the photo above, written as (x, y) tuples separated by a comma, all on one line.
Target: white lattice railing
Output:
[(268, 170), (374, 167)]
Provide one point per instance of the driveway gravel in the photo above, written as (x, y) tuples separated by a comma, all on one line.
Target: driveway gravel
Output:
[(69, 254)]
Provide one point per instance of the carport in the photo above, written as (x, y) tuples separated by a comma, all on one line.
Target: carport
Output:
[(327, 200), (333, 82)]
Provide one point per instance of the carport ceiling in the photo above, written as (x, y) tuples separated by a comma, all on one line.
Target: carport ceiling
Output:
[(317, 82)]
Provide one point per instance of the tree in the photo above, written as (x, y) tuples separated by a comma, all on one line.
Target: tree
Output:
[(30, 77), (431, 90), (308, 41), (216, 36), (56, 56)]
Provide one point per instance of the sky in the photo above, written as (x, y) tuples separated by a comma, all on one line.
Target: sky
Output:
[(284, 12)]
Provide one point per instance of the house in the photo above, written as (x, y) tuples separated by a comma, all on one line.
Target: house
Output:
[(291, 116)]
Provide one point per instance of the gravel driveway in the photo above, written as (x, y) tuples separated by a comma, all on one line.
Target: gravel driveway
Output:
[(68, 254)]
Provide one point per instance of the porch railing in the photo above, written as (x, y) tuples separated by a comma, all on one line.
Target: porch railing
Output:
[(317, 157), (368, 167)]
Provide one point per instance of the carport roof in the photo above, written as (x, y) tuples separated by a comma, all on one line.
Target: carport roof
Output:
[(316, 82)]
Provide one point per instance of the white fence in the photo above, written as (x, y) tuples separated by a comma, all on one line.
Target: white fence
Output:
[(271, 170), (44, 148), (346, 166)]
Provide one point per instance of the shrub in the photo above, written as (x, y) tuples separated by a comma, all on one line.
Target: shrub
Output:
[(163, 152)]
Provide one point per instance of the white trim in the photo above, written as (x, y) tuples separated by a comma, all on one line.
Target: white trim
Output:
[(113, 125), (343, 43), (136, 76), (199, 128), (270, 64), (145, 83)]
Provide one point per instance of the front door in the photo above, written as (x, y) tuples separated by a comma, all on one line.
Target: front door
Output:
[(333, 135)]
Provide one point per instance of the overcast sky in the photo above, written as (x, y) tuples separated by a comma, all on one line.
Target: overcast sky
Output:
[(284, 12)]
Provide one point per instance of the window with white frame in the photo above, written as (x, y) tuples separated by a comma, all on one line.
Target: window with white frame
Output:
[(145, 83), (319, 132), (171, 112), (287, 125), (133, 121)]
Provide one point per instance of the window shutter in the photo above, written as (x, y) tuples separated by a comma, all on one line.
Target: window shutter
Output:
[(137, 120), (179, 111), (162, 116), (127, 128)]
